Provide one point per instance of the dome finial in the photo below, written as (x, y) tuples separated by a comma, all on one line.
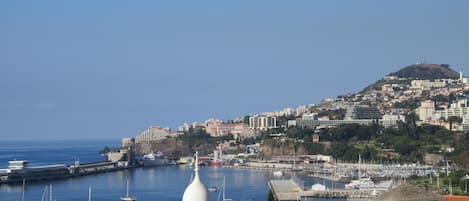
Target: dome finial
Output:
[(196, 169)]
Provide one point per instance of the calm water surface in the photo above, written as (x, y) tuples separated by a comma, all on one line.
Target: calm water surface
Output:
[(147, 184)]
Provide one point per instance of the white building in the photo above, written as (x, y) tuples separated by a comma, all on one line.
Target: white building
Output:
[(301, 109), (426, 110), (262, 122), (127, 141), (152, 134), (184, 127), (309, 116), (426, 84), (458, 109)]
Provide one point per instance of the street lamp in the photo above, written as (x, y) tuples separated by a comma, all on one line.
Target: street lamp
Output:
[(465, 182)]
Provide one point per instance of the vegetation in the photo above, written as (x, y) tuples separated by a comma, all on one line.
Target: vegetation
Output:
[(426, 72), (406, 143), (442, 184)]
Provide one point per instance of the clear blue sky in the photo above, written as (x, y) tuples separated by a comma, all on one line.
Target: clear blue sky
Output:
[(109, 69)]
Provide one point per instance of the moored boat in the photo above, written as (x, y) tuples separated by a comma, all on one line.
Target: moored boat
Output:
[(152, 159)]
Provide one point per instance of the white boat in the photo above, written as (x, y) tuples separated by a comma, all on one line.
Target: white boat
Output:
[(212, 189), (362, 183), (278, 173), (127, 196), (318, 187), (152, 159)]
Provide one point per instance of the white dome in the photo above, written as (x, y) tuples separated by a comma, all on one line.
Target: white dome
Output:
[(196, 191)]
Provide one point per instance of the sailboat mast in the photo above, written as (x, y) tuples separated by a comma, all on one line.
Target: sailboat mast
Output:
[(50, 192), (127, 188), (359, 167), (223, 188), (22, 192), (89, 194)]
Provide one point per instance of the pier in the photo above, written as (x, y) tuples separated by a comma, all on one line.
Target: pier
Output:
[(288, 190), (19, 171)]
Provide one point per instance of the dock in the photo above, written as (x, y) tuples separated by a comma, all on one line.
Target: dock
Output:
[(19, 171), (288, 190)]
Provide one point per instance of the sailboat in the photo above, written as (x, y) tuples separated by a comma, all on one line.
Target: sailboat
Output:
[(45, 196), (223, 198), (127, 196)]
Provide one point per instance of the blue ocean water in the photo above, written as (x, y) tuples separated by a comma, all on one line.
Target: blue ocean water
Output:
[(147, 184)]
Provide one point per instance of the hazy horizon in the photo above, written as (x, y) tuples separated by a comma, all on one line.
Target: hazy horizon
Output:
[(111, 69)]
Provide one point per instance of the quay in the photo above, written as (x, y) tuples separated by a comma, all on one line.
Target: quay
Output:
[(288, 190), (19, 171)]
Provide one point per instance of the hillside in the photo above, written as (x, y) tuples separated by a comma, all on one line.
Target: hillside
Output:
[(426, 72), (420, 71)]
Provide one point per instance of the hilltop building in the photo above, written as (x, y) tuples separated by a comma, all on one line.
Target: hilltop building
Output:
[(365, 112), (217, 128), (462, 79), (426, 84), (262, 122), (127, 141), (426, 110), (152, 134), (458, 109), (386, 123)]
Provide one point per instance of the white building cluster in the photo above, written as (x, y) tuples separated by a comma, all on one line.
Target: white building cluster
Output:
[(262, 122), (152, 134)]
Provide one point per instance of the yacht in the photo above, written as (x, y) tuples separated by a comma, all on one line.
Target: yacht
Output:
[(362, 183), (278, 173), (152, 159)]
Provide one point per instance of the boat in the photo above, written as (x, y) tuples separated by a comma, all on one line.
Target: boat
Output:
[(212, 189), (127, 196), (172, 162), (47, 193), (278, 173), (152, 159), (318, 187), (221, 197), (361, 184)]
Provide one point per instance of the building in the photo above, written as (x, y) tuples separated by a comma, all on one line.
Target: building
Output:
[(262, 122), (152, 134), (310, 116), (426, 110), (386, 123), (242, 131), (127, 141), (301, 109), (365, 112), (426, 84), (458, 109), (185, 127)]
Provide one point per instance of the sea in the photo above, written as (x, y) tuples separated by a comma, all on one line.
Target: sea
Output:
[(146, 184)]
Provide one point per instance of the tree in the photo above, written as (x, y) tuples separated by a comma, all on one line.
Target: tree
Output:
[(453, 119)]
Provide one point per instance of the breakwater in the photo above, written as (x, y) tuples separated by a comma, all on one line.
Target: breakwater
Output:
[(18, 171)]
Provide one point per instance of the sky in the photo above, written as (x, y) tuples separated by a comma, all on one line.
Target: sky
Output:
[(110, 69)]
